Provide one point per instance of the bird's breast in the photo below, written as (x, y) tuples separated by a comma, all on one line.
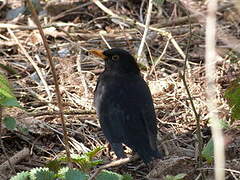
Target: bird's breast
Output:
[(121, 90)]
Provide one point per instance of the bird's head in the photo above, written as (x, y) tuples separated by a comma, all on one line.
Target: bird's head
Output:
[(117, 60)]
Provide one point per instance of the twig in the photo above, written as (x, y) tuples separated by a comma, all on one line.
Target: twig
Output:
[(64, 13), (83, 80), (221, 34), (229, 170), (15, 159), (186, 19), (210, 67), (111, 164), (126, 19), (197, 117), (24, 51), (21, 27), (105, 41), (148, 19), (68, 112), (3, 4), (141, 11), (59, 98), (160, 57)]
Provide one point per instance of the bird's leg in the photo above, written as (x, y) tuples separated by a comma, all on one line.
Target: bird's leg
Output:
[(118, 149)]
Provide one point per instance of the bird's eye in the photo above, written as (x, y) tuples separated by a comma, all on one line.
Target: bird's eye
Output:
[(115, 57)]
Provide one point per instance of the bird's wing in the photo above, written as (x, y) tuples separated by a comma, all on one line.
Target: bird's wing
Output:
[(127, 114), (140, 121), (145, 110)]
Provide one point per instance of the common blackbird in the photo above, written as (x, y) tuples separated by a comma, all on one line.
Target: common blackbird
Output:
[(124, 106)]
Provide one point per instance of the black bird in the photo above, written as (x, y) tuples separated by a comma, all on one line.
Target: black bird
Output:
[(124, 106)]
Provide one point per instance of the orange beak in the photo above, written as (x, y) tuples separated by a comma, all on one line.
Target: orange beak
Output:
[(98, 53)]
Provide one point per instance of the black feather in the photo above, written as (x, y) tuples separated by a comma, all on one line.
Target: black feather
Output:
[(125, 108)]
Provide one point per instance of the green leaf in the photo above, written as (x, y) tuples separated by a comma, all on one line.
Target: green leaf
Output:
[(61, 173), (5, 89), (9, 122), (41, 174), (6, 95), (54, 165), (208, 151), (74, 174), (109, 175), (224, 124), (94, 152), (44, 175), (94, 163), (232, 94), (21, 176), (127, 177), (180, 176), (84, 161), (9, 101), (23, 130), (177, 177), (35, 174)]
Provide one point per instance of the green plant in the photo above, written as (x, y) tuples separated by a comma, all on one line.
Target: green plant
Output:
[(207, 152), (232, 94), (56, 170), (7, 99), (66, 174), (85, 162), (177, 177)]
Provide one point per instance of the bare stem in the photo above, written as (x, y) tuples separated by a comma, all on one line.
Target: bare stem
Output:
[(211, 90), (148, 19), (59, 98)]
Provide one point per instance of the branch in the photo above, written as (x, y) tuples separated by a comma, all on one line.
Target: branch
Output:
[(210, 67), (148, 19), (59, 98), (111, 164), (133, 22)]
